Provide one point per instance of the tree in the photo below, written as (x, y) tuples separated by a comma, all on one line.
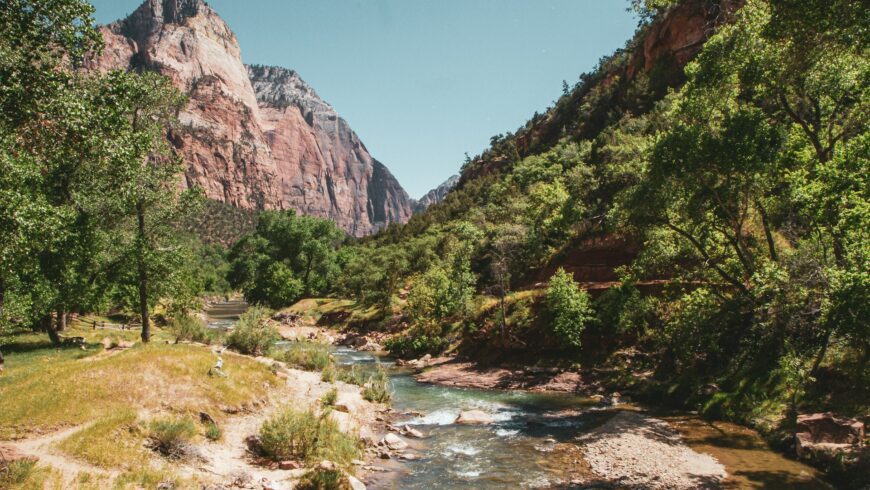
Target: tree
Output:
[(46, 249), (142, 187), (288, 256), (568, 307)]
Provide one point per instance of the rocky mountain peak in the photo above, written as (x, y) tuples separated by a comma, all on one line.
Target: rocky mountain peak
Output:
[(256, 137), (281, 87)]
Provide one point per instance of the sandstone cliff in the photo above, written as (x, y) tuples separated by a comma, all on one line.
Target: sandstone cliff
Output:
[(254, 137)]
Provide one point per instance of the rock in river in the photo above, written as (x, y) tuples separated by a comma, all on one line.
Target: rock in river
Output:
[(474, 417)]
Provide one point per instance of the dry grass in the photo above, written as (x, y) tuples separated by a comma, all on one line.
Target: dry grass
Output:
[(315, 309), (45, 389), (113, 442)]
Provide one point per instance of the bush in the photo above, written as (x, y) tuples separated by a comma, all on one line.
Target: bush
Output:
[(569, 308), (16, 472), (328, 374), (253, 334), (191, 329), (377, 389), (171, 437), (329, 398), (354, 376), (309, 356), (414, 345), (213, 432), (304, 436), (320, 479)]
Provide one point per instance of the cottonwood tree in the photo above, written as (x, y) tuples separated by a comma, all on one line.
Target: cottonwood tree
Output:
[(141, 187)]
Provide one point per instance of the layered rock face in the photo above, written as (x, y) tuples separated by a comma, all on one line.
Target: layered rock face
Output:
[(436, 195), (254, 137)]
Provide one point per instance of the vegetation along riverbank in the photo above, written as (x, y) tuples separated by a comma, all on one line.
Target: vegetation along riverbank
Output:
[(678, 244)]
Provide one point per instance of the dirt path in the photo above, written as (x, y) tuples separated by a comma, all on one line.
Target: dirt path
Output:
[(229, 462), (42, 449)]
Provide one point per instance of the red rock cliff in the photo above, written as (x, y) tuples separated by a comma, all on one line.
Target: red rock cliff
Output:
[(255, 137)]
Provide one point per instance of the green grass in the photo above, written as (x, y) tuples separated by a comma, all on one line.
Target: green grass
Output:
[(329, 398), (377, 388), (112, 442), (308, 356), (336, 313)]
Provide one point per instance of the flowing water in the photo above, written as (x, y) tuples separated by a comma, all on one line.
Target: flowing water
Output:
[(529, 443)]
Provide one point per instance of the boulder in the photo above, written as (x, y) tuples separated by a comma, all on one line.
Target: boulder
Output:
[(9, 454), (473, 417), (355, 484), (823, 436), (289, 465), (412, 432), (394, 442)]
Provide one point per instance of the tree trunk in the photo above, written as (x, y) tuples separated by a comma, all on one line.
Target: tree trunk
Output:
[(143, 276), (821, 355), (61, 320), (768, 234), (48, 326), (308, 266)]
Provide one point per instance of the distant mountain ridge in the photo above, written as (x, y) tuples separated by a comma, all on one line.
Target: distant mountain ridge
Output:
[(255, 137), (435, 195)]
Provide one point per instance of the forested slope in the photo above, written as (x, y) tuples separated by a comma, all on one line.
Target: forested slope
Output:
[(707, 189)]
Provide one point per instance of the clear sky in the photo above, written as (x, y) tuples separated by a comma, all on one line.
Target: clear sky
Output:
[(425, 81)]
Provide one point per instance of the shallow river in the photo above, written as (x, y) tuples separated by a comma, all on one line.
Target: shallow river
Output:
[(529, 445)]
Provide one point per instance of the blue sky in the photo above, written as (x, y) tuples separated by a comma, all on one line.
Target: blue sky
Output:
[(424, 81)]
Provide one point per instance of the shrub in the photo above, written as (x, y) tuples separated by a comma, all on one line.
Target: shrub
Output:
[(569, 308), (191, 329), (328, 374), (320, 479), (253, 334), (171, 437), (304, 436), (416, 345), (309, 356), (329, 398), (354, 376), (213, 432), (377, 389), (16, 472)]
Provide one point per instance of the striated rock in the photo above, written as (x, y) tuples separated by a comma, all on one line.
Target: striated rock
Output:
[(253, 137), (473, 417)]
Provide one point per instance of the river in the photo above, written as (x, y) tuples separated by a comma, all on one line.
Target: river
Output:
[(530, 443)]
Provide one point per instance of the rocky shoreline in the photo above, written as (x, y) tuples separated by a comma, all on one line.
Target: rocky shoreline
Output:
[(469, 375)]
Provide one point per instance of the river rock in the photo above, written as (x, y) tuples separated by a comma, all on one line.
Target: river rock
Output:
[(394, 442), (355, 484), (473, 417), (412, 432), (824, 436), (289, 465)]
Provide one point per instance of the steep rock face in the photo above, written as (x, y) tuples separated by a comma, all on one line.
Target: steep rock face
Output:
[(323, 166), (279, 147), (436, 195)]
